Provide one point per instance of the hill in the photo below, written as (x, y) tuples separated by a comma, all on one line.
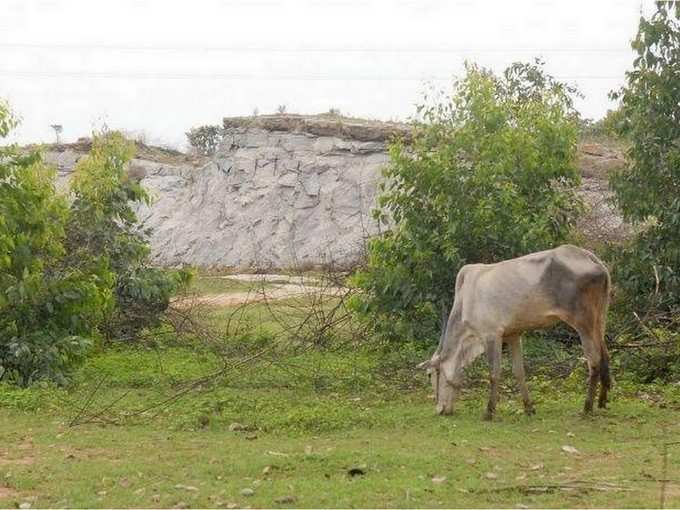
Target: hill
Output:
[(291, 190)]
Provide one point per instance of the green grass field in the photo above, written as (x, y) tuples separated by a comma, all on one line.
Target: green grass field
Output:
[(324, 428)]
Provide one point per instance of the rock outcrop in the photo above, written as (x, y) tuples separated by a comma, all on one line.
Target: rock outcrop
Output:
[(286, 191)]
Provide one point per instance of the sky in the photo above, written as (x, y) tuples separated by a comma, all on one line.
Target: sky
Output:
[(155, 68)]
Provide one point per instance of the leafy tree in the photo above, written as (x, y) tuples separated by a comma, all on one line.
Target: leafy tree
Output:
[(489, 174), (103, 226), (69, 272), (647, 189), (48, 311)]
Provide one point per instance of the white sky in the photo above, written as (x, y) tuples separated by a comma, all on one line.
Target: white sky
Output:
[(159, 67)]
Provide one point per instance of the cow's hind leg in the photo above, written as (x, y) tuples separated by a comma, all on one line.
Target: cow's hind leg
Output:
[(493, 353), (591, 349), (515, 343)]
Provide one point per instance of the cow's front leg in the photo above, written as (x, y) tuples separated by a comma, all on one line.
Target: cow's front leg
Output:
[(515, 343), (493, 354)]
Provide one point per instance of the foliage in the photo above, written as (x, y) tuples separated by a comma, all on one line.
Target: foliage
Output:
[(489, 175), (606, 128), (142, 295), (651, 354), (48, 310), (70, 272), (205, 139), (647, 189), (103, 226)]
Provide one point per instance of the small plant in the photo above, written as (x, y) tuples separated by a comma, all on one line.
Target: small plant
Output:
[(205, 139)]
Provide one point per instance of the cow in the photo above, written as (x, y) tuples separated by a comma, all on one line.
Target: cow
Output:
[(496, 303)]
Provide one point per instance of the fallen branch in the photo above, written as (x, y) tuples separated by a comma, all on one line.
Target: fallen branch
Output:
[(573, 485)]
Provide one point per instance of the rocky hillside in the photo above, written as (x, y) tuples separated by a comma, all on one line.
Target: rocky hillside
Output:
[(288, 190)]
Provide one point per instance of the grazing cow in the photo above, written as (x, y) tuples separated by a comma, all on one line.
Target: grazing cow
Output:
[(496, 303)]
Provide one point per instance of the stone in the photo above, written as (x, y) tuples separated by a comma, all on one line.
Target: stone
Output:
[(285, 500)]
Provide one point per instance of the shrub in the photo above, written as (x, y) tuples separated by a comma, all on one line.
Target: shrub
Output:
[(70, 272), (205, 139), (489, 175), (103, 226), (48, 310), (142, 295)]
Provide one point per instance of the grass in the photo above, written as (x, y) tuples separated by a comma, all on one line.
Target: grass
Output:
[(220, 284), (311, 441), (308, 420)]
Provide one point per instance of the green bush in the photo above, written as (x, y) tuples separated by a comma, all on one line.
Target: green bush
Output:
[(71, 272), (204, 139), (646, 268), (48, 310), (102, 225), (489, 175), (647, 189)]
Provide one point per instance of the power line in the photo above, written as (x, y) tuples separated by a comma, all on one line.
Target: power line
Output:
[(279, 49), (250, 77)]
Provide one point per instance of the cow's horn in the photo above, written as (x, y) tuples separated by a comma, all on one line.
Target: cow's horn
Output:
[(425, 364)]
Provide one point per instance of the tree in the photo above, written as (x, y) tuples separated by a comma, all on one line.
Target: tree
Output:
[(48, 311), (58, 128), (489, 174), (647, 189), (71, 271), (103, 226)]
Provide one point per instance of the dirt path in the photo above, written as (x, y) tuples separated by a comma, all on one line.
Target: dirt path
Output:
[(268, 287), (277, 292)]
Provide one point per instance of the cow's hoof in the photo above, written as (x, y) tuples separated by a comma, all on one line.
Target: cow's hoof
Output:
[(529, 411), (488, 416), (444, 411)]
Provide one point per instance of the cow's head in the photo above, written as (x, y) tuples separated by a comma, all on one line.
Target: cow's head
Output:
[(444, 385)]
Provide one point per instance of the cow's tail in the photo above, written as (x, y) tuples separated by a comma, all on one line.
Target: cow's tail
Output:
[(605, 377)]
